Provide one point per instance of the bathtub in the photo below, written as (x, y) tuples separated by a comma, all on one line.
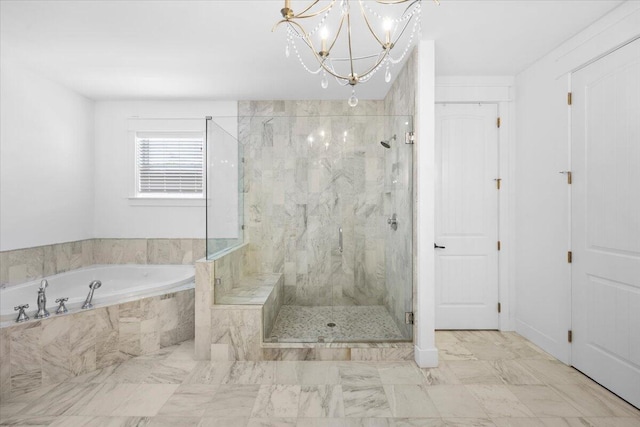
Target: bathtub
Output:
[(120, 283)]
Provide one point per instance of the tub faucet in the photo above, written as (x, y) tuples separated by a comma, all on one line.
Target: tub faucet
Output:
[(22, 316), (61, 307), (92, 287), (42, 301)]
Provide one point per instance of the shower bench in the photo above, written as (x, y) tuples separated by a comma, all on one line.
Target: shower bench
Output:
[(234, 304)]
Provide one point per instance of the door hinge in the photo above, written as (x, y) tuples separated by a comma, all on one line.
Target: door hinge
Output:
[(570, 336), (409, 138), (498, 122), (499, 308), (569, 98), (498, 180), (408, 318), (569, 257), (499, 245)]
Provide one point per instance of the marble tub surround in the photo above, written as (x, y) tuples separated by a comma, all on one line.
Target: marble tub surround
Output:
[(49, 351), (170, 388), (21, 265)]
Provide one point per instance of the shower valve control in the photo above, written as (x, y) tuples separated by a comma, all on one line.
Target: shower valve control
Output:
[(393, 222)]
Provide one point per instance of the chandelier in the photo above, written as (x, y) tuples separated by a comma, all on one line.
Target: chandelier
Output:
[(333, 27)]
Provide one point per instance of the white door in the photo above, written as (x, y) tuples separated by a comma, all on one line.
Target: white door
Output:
[(466, 216), (606, 221)]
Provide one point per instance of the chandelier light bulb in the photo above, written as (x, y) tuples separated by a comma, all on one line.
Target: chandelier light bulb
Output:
[(324, 35), (353, 99)]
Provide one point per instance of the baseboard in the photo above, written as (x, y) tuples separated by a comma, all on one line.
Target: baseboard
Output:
[(426, 358)]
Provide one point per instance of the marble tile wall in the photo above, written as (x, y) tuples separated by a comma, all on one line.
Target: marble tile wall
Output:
[(312, 167), (399, 107), (204, 298), (58, 348), (272, 307), (21, 265), (233, 267)]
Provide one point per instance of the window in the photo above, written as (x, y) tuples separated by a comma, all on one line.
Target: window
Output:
[(169, 164)]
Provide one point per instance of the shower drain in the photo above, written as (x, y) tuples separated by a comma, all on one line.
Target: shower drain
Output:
[(331, 324)]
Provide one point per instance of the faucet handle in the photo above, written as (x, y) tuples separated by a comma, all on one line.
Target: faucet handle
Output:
[(22, 316), (62, 308)]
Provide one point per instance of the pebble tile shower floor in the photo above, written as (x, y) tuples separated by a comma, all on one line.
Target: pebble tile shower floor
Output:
[(484, 379), (352, 324)]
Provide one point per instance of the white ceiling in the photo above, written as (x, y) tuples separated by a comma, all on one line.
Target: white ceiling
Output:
[(225, 49)]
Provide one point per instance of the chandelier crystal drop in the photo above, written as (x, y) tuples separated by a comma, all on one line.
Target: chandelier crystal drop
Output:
[(353, 99), (350, 40), (324, 83)]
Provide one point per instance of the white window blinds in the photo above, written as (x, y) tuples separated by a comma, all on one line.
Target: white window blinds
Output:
[(169, 164)]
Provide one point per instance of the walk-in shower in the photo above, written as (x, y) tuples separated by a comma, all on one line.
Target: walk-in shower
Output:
[(331, 209)]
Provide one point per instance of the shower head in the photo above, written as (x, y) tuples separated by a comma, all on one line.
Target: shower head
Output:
[(387, 143)]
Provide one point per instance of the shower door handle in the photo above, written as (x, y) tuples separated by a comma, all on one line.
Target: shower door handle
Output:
[(340, 239)]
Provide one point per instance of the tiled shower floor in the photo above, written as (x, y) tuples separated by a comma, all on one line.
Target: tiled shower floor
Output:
[(352, 324)]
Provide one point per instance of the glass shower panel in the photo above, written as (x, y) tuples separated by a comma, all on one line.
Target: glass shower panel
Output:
[(225, 209), (399, 196), (320, 190)]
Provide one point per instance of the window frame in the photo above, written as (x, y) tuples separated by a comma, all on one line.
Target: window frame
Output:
[(163, 126)]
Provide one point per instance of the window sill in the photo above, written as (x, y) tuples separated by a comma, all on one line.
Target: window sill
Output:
[(166, 201)]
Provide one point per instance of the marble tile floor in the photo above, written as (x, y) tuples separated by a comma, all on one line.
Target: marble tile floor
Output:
[(484, 379), (352, 324)]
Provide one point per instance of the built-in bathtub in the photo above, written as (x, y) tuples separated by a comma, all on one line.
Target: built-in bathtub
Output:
[(138, 310), (120, 283)]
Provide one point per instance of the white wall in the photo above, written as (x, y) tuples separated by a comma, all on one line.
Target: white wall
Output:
[(46, 161), (426, 353), (116, 216), (543, 304)]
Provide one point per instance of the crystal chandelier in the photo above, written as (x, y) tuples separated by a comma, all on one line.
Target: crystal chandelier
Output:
[(377, 26)]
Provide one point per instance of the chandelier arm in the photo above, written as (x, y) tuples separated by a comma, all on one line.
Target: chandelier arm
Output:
[(382, 58), (302, 16), (392, 1), (357, 58), (349, 40), (277, 24), (304, 36), (404, 28), (366, 20), (337, 34)]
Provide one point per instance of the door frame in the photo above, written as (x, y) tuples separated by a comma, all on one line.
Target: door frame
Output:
[(496, 91)]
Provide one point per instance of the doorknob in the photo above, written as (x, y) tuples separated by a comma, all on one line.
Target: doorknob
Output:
[(436, 246)]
